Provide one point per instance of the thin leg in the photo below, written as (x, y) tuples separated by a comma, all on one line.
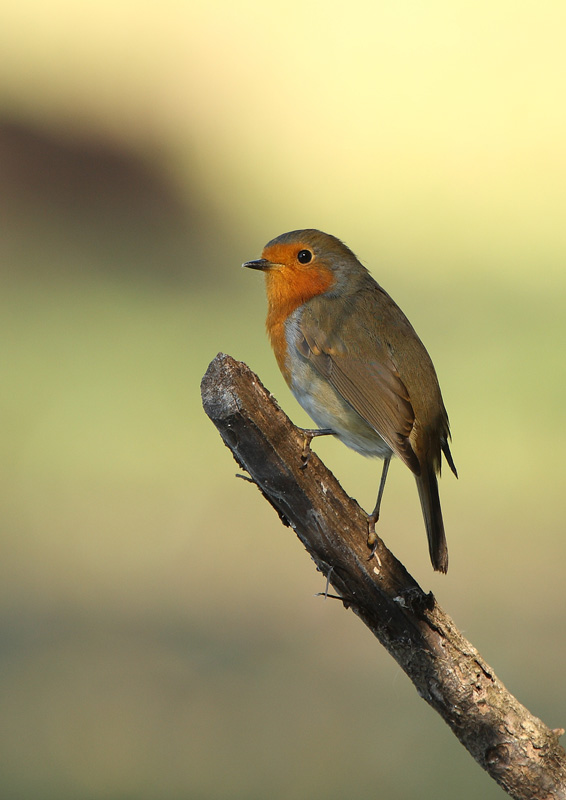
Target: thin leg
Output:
[(374, 516), (309, 435)]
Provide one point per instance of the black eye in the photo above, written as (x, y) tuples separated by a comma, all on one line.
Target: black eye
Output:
[(304, 256)]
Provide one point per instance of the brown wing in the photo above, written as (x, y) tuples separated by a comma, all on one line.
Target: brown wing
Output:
[(373, 387)]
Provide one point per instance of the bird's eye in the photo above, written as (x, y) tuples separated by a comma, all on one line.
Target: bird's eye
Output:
[(304, 256)]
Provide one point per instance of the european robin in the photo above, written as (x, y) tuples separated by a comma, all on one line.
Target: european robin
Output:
[(355, 364)]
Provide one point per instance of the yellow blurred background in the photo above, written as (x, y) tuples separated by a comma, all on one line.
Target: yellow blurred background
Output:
[(159, 635)]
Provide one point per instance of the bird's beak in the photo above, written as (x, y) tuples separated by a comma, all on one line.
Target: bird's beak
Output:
[(260, 263)]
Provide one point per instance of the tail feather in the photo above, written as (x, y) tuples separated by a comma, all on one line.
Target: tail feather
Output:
[(427, 485), (448, 456)]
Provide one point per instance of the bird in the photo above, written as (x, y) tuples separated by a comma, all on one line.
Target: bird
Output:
[(355, 364)]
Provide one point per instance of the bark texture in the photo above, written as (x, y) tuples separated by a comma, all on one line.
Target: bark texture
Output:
[(519, 751)]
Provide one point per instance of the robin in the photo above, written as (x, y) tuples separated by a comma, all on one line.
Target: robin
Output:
[(355, 364)]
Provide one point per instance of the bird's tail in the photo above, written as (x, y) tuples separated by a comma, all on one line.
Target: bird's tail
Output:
[(432, 513)]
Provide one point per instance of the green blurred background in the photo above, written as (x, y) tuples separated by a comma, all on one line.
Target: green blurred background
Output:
[(159, 637)]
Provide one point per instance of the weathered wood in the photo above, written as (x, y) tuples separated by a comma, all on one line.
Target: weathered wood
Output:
[(518, 750)]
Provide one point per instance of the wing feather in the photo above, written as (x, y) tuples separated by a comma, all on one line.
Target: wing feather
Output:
[(373, 387)]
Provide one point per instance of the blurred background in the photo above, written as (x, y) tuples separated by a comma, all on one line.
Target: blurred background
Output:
[(159, 634)]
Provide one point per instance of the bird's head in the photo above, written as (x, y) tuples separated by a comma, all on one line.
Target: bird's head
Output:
[(302, 264)]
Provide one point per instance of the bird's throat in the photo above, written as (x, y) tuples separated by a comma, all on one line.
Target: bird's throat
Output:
[(288, 289)]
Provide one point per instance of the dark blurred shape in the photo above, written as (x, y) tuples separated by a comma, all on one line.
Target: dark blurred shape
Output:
[(72, 203)]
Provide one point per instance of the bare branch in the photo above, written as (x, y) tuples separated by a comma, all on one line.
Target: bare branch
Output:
[(514, 747)]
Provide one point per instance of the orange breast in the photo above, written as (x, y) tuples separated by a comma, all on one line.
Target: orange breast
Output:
[(287, 289)]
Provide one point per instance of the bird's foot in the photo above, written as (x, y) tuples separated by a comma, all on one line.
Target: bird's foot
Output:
[(373, 538), (308, 436)]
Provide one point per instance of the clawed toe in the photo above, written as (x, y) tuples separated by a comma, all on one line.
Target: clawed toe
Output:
[(308, 436)]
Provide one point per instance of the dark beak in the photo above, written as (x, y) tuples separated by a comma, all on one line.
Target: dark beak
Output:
[(260, 263)]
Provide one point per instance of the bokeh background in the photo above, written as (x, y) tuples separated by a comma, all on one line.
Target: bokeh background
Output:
[(159, 634)]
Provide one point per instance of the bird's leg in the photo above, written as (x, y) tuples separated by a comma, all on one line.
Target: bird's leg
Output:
[(374, 516), (309, 434)]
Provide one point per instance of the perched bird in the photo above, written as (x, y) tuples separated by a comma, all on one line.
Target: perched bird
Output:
[(355, 364)]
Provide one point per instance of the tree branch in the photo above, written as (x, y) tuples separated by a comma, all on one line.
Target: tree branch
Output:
[(513, 746)]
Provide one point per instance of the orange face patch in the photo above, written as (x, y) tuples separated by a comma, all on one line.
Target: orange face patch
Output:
[(289, 284)]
